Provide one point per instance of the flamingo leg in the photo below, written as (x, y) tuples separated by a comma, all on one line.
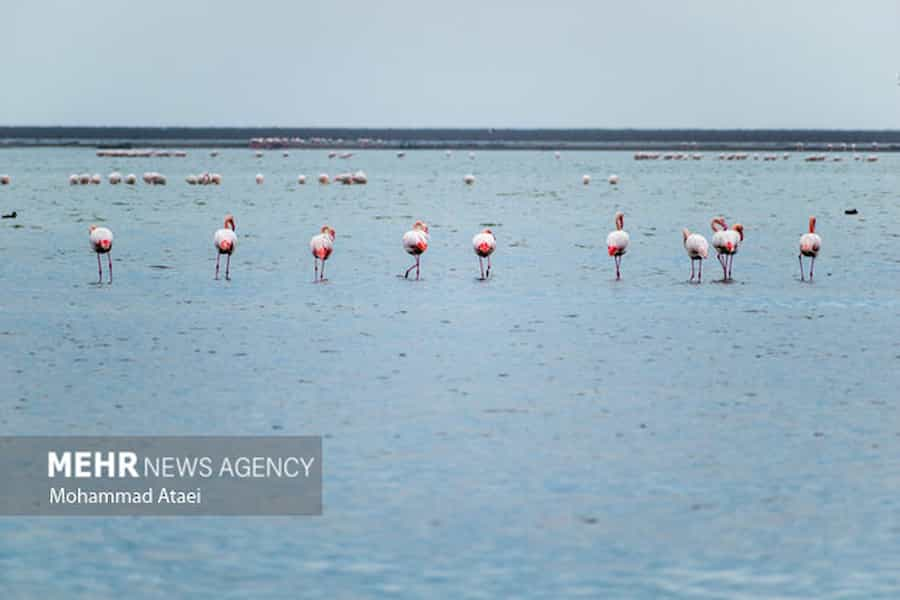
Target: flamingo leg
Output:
[(417, 267), (724, 269), (406, 275), (730, 265), (692, 269), (218, 256), (109, 258), (99, 268), (481, 266), (812, 264), (618, 259), (700, 271), (800, 258), (322, 273), (489, 266), (228, 268), (315, 269)]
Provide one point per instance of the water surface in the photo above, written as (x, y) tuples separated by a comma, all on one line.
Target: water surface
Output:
[(548, 433)]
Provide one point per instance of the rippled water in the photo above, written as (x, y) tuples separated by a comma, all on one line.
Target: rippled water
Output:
[(549, 433)]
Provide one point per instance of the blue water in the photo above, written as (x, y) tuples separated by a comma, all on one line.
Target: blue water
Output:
[(548, 433)]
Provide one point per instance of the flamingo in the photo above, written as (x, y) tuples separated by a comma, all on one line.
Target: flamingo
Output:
[(301, 179), (726, 242), (323, 178), (260, 179), (73, 179), (613, 179), (131, 179), (697, 248), (321, 246), (586, 179), (101, 243), (415, 242), (225, 240), (96, 179), (810, 243), (484, 245), (4, 179), (617, 242), (469, 179), (115, 177)]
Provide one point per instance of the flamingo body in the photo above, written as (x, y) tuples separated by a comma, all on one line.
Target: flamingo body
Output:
[(697, 249), (101, 240), (617, 243), (225, 241), (321, 246), (810, 244), (727, 242), (484, 244), (415, 242)]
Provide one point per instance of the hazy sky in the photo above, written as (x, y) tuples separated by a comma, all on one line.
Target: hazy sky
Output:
[(453, 63)]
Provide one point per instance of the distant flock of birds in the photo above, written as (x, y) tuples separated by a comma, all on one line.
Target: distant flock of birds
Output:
[(746, 156), (725, 240)]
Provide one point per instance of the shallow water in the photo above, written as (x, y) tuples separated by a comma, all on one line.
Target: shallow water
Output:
[(548, 433)]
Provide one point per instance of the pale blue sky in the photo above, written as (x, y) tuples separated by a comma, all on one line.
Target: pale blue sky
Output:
[(408, 63)]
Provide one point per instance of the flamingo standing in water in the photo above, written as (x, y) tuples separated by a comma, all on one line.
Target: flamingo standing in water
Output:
[(697, 248), (415, 242), (101, 243), (484, 245), (225, 240), (617, 242), (726, 242), (321, 246), (810, 243)]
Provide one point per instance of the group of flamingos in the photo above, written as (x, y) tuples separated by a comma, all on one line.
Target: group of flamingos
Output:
[(726, 241)]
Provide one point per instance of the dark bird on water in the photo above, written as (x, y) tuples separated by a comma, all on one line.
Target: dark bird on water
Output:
[(11, 215)]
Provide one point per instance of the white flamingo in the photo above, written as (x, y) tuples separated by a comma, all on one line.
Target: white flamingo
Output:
[(484, 244), (697, 249), (260, 179), (726, 242), (301, 179), (469, 179), (613, 179), (586, 179), (415, 242), (225, 240), (321, 246), (617, 242), (810, 244), (101, 242)]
